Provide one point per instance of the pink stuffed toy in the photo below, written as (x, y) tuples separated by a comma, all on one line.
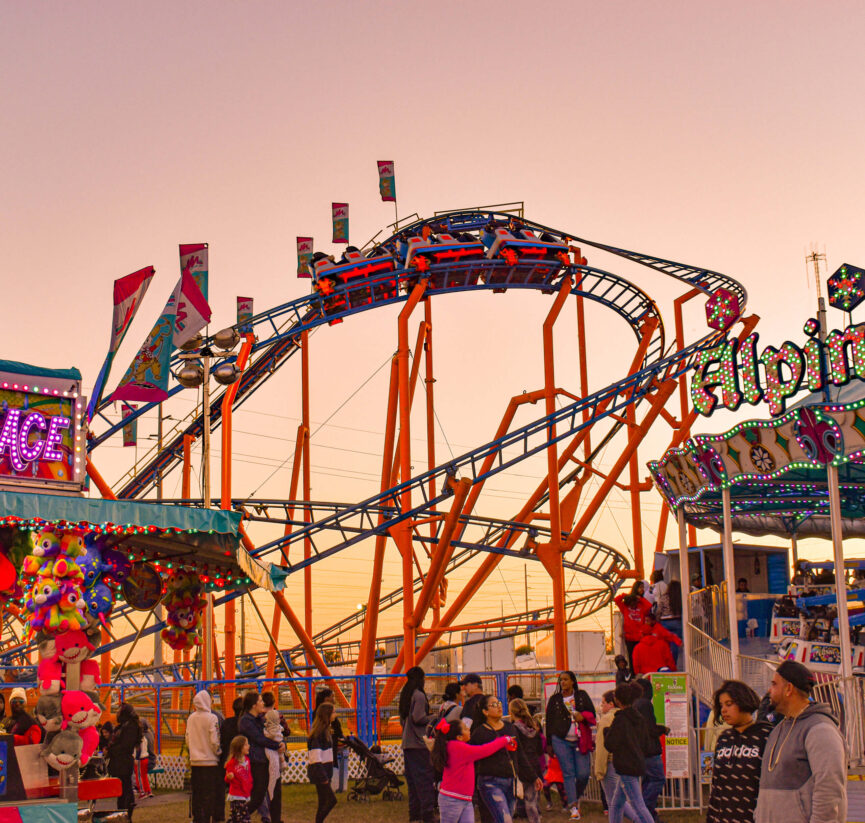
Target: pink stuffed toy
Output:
[(77, 709), (89, 742), (50, 674)]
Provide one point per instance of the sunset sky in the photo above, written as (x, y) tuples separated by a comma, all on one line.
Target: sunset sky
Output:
[(728, 135)]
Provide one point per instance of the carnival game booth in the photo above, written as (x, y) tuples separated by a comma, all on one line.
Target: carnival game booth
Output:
[(69, 564)]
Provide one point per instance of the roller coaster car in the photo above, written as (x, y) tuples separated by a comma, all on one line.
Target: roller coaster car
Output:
[(351, 272), (456, 252), (523, 246)]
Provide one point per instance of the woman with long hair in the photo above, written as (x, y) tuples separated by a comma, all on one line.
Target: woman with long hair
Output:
[(125, 739), (627, 740), (738, 754), (454, 757), (531, 743), (320, 765), (414, 715), (570, 717)]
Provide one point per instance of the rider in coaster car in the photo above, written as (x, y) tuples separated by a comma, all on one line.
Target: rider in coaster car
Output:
[(344, 258)]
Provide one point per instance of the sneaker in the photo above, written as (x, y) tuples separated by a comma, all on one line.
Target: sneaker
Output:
[(549, 806), (575, 813)]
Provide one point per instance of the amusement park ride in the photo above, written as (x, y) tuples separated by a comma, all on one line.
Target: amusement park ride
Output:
[(430, 515)]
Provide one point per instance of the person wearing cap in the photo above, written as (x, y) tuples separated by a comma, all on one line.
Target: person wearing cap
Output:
[(23, 728), (803, 778), (473, 690)]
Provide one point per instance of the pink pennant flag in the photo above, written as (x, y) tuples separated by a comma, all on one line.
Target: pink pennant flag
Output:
[(129, 291), (191, 311)]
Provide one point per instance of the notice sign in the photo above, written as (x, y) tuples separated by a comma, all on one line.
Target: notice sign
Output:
[(670, 702)]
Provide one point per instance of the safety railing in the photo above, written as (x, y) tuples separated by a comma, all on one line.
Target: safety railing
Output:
[(846, 698), (712, 663), (709, 611)]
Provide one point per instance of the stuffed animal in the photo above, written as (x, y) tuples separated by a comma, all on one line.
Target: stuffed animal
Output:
[(55, 596), (63, 750), (50, 675), (99, 601), (118, 564), (48, 712), (89, 742), (77, 709), (91, 564), (184, 608)]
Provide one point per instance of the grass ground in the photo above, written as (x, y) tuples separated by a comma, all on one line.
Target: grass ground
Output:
[(298, 806)]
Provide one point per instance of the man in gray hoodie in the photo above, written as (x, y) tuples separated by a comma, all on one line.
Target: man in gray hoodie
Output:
[(804, 774)]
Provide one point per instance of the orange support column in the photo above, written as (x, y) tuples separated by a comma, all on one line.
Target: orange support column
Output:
[(403, 530), (307, 489), (186, 484), (225, 503), (553, 560)]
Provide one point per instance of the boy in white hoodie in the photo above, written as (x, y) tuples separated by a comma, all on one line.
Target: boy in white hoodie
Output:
[(202, 741)]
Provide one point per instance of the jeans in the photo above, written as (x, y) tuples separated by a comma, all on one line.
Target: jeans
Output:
[(575, 768), (420, 778), (454, 810), (498, 796), (326, 801), (608, 789), (530, 797), (653, 782), (628, 791)]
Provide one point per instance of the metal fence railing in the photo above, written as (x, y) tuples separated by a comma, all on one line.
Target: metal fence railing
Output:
[(846, 698), (709, 611)]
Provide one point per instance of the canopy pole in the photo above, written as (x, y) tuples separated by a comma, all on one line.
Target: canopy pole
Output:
[(840, 577), (684, 577), (794, 547), (730, 578)]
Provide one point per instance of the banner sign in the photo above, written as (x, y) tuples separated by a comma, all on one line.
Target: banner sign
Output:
[(184, 315), (194, 260), (386, 181), (42, 431), (244, 314), (130, 429), (304, 256), (340, 222), (670, 702), (776, 374), (129, 291), (146, 379), (191, 312)]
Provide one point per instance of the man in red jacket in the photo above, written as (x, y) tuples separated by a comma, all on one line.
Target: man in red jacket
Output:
[(652, 654)]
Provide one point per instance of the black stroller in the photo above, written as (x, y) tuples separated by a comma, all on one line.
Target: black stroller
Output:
[(376, 777)]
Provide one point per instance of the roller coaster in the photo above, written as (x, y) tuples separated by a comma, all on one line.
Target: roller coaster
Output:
[(429, 515)]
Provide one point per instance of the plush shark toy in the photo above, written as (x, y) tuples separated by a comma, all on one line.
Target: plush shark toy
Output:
[(64, 750)]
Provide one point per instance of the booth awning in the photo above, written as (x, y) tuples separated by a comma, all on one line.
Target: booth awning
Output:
[(187, 536)]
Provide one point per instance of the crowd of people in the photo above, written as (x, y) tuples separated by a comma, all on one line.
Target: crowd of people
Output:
[(476, 753)]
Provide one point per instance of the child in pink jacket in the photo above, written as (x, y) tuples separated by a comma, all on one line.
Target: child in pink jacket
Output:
[(455, 758)]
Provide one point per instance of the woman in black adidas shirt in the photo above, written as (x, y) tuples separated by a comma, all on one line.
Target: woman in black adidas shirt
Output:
[(738, 755)]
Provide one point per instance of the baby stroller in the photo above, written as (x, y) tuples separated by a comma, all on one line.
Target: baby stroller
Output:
[(376, 777)]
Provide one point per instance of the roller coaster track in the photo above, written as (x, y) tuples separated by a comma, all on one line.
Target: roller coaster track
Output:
[(278, 331)]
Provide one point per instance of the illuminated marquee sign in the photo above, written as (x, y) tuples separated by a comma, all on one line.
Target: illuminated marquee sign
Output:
[(42, 437), (776, 374)]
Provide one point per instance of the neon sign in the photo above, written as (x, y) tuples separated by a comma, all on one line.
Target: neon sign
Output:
[(42, 428), (776, 374), (15, 437)]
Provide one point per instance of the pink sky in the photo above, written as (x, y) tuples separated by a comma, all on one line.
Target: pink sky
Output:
[(722, 134)]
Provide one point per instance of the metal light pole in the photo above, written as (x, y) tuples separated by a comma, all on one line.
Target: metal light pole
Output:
[(197, 372)]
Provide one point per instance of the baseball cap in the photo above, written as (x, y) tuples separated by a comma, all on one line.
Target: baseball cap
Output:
[(797, 675), (471, 678), (18, 694)]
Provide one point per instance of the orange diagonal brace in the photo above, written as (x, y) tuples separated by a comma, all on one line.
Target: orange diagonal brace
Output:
[(442, 553), (99, 480)]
